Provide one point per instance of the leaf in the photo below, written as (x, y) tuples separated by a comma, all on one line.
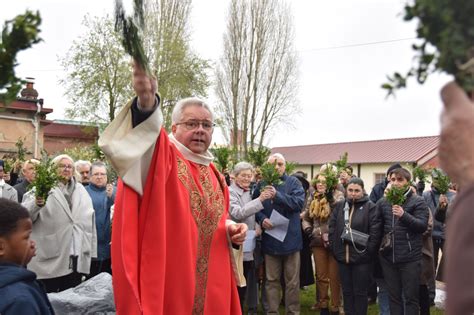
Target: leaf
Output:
[(270, 175), (396, 195)]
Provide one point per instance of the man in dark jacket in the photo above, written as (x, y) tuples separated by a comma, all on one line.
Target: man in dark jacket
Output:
[(29, 174), (282, 256), (401, 263), (377, 191)]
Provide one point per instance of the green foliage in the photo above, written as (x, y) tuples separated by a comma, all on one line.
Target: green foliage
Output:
[(46, 177), (7, 164), (290, 167), (396, 195), (18, 34), (332, 179), (259, 156), (98, 79), (420, 173), (440, 180), (270, 175), (131, 39), (446, 31), (341, 164), (223, 158), (21, 151)]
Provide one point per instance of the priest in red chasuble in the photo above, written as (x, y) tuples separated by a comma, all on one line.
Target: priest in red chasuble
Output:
[(171, 236)]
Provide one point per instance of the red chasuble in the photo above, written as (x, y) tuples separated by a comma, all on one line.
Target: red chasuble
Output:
[(170, 253)]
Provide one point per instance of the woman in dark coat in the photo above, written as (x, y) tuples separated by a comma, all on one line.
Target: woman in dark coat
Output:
[(354, 260)]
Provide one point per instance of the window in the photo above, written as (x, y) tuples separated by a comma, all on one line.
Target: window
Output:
[(379, 178)]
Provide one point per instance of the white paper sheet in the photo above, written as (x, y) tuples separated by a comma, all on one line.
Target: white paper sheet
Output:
[(280, 226)]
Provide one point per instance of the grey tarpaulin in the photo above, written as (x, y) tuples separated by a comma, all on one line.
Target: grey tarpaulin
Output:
[(94, 296)]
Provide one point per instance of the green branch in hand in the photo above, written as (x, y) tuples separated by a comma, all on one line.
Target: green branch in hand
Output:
[(270, 175), (46, 178)]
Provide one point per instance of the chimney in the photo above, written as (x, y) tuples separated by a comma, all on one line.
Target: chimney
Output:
[(29, 93)]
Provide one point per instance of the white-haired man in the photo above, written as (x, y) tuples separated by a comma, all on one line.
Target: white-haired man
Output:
[(170, 249), (282, 256)]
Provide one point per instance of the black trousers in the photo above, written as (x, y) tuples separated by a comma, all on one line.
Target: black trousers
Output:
[(402, 277), (251, 279), (98, 266), (355, 281), (59, 284)]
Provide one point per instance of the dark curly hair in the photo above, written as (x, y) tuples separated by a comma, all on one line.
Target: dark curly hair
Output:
[(10, 213)]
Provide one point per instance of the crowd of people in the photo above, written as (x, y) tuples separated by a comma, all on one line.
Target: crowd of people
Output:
[(180, 230), (69, 231)]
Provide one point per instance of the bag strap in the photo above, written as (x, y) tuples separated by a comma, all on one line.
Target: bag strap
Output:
[(347, 222), (346, 214)]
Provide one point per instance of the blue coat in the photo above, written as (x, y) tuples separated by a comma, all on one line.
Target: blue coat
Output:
[(20, 293), (102, 205), (288, 201)]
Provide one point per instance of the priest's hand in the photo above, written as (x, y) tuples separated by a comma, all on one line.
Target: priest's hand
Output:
[(456, 147), (237, 232), (145, 87)]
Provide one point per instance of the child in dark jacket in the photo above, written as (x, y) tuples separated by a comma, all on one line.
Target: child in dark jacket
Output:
[(19, 291)]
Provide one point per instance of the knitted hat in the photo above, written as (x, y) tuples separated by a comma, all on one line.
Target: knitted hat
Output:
[(393, 167)]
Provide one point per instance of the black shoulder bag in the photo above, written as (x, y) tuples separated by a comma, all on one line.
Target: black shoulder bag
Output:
[(351, 236)]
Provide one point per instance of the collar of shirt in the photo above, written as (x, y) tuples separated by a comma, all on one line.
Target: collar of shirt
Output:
[(203, 159)]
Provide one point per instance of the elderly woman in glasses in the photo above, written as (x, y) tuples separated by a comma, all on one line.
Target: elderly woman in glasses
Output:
[(63, 229), (243, 209)]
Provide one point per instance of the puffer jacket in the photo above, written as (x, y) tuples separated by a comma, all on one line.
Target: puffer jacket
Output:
[(365, 219), (408, 229)]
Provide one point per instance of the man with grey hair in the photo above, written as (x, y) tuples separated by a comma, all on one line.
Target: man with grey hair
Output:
[(103, 195), (83, 169), (171, 246), (282, 256), (28, 172)]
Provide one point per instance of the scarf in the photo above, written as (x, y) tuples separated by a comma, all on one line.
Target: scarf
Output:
[(319, 208)]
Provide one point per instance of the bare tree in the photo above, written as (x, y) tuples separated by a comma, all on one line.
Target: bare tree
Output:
[(180, 72), (256, 79)]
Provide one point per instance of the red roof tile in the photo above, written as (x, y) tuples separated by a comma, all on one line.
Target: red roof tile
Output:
[(375, 151)]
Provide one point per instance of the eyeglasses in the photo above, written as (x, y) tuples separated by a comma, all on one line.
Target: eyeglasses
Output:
[(66, 167), (194, 124), (99, 174)]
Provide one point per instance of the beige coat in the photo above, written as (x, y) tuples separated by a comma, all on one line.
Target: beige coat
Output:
[(60, 232)]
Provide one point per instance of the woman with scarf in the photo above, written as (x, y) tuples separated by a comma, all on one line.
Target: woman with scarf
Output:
[(63, 229), (315, 225), (359, 214)]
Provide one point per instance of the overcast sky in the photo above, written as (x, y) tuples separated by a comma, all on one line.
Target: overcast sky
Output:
[(345, 48)]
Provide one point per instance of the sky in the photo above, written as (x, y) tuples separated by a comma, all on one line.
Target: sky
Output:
[(345, 48)]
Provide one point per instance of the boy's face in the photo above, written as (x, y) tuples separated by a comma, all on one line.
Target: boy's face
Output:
[(398, 180), (18, 248)]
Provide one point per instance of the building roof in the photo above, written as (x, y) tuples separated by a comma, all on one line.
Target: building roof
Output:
[(26, 105), (71, 131), (407, 150)]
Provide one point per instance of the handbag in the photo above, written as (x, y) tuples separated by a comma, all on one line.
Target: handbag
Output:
[(387, 240), (386, 244), (357, 238)]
